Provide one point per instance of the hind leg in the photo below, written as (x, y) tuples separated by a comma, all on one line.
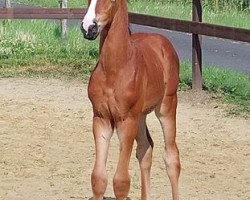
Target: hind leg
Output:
[(166, 114), (144, 155)]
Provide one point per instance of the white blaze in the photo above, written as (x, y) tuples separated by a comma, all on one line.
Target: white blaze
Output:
[(90, 15)]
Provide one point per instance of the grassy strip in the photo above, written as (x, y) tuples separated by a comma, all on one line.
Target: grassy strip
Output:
[(229, 16), (50, 3), (233, 86), (37, 43)]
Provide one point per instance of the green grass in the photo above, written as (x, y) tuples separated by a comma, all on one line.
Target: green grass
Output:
[(25, 44), (228, 15), (52, 3), (233, 86), (231, 17)]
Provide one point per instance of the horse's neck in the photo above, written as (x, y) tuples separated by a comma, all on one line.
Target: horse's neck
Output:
[(103, 37), (115, 41)]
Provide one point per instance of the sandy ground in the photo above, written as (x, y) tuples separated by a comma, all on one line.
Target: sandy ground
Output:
[(47, 152)]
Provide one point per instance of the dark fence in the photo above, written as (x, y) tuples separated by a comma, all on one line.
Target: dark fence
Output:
[(196, 27), (212, 30)]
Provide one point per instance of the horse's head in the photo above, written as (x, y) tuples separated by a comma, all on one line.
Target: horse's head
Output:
[(100, 13)]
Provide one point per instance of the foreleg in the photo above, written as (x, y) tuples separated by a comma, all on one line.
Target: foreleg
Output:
[(102, 131), (127, 131)]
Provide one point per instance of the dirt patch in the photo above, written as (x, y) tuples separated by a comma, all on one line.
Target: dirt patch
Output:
[(47, 152)]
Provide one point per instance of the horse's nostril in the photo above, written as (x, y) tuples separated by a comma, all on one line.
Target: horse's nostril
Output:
[(93, 29), (82, 29)]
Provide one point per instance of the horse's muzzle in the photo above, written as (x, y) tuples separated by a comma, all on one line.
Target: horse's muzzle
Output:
[(92, 33)]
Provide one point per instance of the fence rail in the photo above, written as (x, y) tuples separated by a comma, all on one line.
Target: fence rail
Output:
[(212, 30), (41, 13), (196, 27)]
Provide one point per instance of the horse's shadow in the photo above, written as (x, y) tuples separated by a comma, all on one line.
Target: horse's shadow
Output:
[(109, 198)]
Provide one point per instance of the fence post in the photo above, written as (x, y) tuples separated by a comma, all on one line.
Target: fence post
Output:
[(7, 5), (196, 48), (63, 22)]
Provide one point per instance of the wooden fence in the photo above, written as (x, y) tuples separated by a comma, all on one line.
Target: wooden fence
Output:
[(196, 27)]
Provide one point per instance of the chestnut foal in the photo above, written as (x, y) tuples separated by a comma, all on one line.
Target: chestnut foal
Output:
[(135, 75)]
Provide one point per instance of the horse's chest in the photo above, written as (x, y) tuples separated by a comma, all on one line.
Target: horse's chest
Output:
[(114, 102)]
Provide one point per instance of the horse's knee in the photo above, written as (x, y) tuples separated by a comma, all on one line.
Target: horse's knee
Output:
[(99, 183), (121, 185), (172, 160)]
